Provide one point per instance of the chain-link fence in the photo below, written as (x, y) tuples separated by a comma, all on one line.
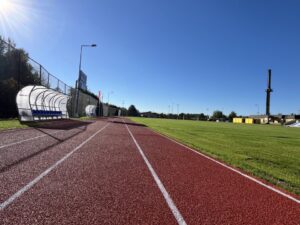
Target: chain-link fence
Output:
[(18, 70)]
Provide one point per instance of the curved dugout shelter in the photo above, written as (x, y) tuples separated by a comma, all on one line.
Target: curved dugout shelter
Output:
[(90, 110), (41, 103)]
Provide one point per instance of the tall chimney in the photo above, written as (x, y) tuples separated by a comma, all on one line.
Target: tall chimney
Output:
[(269, 90)]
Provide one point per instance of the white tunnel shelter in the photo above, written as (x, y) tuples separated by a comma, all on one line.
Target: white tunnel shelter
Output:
[(41, 103), (90, 110)]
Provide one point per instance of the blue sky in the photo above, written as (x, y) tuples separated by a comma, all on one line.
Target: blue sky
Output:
[(202, 55)]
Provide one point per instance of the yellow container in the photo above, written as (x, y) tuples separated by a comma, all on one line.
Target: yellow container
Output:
[(238, 120), (250, 121)]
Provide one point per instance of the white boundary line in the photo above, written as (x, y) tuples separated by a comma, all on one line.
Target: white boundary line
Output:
[(232, 169), (4, 204), (171, 204), (29, 139)]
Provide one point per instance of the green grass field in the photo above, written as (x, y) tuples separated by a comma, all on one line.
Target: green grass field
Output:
[(266, 151), (87, 118), (11, 124), (6, 124)]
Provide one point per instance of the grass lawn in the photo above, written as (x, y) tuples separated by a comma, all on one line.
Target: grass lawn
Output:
[(266, 151), (87, 118), (10, 124), (6, 124)]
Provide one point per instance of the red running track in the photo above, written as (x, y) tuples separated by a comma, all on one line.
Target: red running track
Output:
[(116, 172)]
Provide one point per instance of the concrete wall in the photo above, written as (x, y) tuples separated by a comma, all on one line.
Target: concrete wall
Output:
[(109, 111)]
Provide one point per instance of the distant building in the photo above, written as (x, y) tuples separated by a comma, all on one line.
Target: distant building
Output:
[(264, 119), (150, 114), (261, 119), (292, 118), (238, 120)]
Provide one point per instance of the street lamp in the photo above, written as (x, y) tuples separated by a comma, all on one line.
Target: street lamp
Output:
[(77, 81), (92, 46)]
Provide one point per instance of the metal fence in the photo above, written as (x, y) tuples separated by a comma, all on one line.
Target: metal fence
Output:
[(18, 70)]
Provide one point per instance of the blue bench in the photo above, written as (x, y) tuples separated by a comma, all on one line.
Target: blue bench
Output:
[(46, 113)]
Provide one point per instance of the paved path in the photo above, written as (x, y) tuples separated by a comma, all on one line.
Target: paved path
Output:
[(117, 172)]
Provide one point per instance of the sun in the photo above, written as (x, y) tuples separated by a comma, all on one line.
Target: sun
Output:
[(14, 17), (21, 19), (6, 6)]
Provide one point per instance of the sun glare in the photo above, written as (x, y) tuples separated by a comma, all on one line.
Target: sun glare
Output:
[(6, 6), (14, 17)]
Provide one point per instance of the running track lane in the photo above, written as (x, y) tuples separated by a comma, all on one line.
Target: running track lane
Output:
[(28, 160), (208, 193), (70, 193), (105, 182), (15, 136)]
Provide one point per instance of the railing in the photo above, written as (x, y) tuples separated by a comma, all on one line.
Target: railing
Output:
[(26, 70), (18, 70)]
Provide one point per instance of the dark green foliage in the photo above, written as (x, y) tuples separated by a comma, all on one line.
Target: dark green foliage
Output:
[(218, 115), (15, 73), (202, 116), (231, 116), (132, 111)]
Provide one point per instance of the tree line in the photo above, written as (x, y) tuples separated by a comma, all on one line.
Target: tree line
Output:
[(216, 116), (15, 73)]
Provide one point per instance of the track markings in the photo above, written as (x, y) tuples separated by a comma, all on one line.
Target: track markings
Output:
[(234, 170), (170, 202), (33, 138), (29, 139), (12, 198)]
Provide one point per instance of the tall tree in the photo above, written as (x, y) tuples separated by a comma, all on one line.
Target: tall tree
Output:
[(15, 73), (218, 115), (231, 116), (132, 111), (202, 116)]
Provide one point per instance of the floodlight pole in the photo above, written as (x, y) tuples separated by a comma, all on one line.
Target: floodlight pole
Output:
[(268, 91), (257, 105), (77, 81)]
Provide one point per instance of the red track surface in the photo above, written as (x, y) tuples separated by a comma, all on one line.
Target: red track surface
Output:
[(106, 181)]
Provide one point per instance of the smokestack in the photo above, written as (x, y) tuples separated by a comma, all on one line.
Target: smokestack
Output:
[(269, 90)]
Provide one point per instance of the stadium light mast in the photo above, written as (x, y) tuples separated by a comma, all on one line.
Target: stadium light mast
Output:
[(77, 81), (268, 91)]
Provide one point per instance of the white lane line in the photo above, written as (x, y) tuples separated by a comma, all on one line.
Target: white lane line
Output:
[(4, 204), (171, 204), (29, 139), (232, 169)]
